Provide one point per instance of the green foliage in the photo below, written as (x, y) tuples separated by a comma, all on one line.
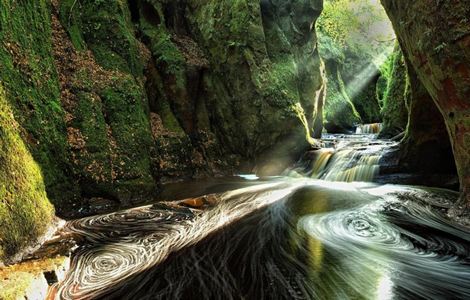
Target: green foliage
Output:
[(396, 95), (340, 113), (359, 26), (338, 20), (355, 38)]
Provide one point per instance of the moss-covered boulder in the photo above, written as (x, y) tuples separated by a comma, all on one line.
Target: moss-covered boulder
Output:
[(25, 211)]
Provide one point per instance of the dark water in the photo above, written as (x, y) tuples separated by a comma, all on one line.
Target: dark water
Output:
[(280, 239)]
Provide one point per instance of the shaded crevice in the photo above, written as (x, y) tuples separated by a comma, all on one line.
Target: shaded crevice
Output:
[(150, 14), (134, 9)]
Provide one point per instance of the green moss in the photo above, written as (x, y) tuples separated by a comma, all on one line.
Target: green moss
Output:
[(92, 157), (25, 211), (396, 96), (164, 50), (105, 27), (31, 85), (168, 118), (278, 82), (366, 102), (340, 113), (111, 128), (16, 286), (127, 115), (109, 59)]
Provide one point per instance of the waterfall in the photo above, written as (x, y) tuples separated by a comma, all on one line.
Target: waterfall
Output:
[(320, 163), (349, 159), (369, 128), (351, 165)]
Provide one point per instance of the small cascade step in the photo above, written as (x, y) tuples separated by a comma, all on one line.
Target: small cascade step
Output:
[(352, 158), (374, 128)]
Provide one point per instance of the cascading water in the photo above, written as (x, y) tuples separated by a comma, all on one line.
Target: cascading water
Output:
[(369, 128), (352, 158)]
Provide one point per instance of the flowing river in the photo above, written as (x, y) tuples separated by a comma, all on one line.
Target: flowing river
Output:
[(300, 236)]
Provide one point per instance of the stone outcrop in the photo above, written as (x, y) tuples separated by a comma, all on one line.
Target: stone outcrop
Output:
[(435, 39), (224, 92), (26, 103), (409, 109)]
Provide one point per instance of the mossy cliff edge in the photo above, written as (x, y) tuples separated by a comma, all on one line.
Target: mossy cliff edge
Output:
[(107, 99)]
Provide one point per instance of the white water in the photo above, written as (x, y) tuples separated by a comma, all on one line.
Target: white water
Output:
[(349, 159)]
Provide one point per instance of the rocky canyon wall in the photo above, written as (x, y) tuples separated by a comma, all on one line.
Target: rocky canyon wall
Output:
[(435, 39), (108, 99)]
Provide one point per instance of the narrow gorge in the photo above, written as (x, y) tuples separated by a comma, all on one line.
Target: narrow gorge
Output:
[(220, 149)]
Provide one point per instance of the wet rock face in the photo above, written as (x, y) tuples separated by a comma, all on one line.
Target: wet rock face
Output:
[(396, 98), (249, 78), (122, 95), (426, 147), (434, 36), (409, 108)]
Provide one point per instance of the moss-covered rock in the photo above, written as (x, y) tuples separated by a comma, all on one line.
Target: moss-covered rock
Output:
[(104, 27), (435, 41), (396, 98), (113, 97), (32, 88), (227, 77), (25, 211), (108, 123), (340, 114)]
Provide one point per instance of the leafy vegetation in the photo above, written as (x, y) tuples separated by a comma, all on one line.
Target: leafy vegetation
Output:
[(357, 26), (355, 39)]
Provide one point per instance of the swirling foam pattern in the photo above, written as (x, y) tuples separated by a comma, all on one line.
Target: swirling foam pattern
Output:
[(297, 239), (119, 245)]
